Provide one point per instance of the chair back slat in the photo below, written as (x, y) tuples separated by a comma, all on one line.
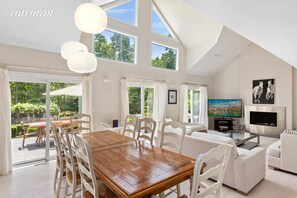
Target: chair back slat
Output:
[(146, 129), (80, 123), (170, 136), (130, 127), (68, 153), (222, 154), (85, 164), (57, 142)]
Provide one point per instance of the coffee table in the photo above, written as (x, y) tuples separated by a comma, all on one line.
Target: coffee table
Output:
[(242, 139)]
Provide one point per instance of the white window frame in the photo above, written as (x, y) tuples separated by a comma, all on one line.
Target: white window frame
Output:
[(192, 89), (142, 85), (119, 61), (171, 47), (164, 22), (119, 4), (16, 76)]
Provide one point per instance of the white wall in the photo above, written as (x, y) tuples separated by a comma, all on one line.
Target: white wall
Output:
[(294, 97), (254, 64), (32, 58), (226, 83), (106, 96)]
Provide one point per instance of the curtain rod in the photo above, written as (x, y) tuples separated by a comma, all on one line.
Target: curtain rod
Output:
[(143, 79), (203, 85), (38, 69)]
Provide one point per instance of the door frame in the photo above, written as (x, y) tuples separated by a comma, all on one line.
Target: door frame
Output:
[(31, 77)]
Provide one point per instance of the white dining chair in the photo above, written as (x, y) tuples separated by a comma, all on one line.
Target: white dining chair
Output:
[(90, 187), (201, 185), (172, 137), (105, 126), (72, 179), (130, 127), (80, 123), (146, 129), (60, 166)]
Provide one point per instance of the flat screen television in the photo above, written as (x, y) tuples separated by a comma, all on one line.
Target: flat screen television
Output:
[(231, 108)]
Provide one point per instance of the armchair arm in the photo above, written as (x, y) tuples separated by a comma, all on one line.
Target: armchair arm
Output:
[(288, 155), (249, 169)]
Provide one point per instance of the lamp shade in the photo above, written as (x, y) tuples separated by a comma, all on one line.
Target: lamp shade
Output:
[(90, 18), (71, 47), (82, 62)]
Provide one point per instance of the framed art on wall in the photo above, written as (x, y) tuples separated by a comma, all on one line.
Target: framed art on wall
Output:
[(263, 91), (172, 97)]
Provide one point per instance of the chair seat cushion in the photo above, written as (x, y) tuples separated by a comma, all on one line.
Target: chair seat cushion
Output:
[(274, 149)]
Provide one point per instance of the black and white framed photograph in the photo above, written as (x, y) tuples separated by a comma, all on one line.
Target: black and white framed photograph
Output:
[(172, 97), (263, 91)]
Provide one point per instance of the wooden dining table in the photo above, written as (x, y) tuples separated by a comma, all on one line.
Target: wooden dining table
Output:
[(133, 168), (42, 125)]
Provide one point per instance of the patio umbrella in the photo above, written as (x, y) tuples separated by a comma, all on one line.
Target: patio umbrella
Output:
[(75, 90)]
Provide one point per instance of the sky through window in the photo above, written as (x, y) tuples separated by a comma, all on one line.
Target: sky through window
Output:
[(124, 12)]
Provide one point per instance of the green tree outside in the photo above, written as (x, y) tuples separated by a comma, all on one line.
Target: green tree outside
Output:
[(28, 100)]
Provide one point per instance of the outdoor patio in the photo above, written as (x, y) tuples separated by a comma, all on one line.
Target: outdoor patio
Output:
[(31, 150)]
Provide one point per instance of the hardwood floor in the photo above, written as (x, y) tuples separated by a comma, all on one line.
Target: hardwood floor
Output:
[(37, 181)]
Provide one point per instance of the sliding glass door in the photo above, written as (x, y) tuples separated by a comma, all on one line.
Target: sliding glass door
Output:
[(34, 102), (28, 116)]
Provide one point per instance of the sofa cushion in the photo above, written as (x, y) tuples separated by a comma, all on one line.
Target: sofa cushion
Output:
[(214, 132), (274, 149), (217, 138), (191, 128)]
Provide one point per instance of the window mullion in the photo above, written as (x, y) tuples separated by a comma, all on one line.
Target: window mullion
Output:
[(142, 101), (192, 104)]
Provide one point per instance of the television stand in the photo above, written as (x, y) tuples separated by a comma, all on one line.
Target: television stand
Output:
[(223, 124)]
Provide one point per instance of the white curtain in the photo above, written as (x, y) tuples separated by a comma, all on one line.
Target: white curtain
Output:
[(124, 100), (87, 101), (183, 112), (160, 99), (203, 117), (5, 121)]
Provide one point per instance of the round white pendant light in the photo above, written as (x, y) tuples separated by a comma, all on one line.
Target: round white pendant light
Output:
[(71, 47), (82, 62), (90, 18)]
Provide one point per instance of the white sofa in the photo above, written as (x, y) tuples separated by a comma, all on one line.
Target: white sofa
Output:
[(246, 168), (282, 154)]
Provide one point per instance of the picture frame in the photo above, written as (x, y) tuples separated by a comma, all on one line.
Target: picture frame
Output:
[(263, 91), (172, 96)]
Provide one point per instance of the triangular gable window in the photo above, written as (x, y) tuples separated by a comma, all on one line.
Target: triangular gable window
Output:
[(158, 24), (125, 12)]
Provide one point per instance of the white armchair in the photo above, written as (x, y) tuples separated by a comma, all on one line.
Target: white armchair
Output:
[(245, 169), (282, 154)]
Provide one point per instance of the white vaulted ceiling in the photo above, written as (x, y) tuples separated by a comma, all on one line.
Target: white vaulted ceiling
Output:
[(228, 46), (200, 26), (271, 24), (42, 33)]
